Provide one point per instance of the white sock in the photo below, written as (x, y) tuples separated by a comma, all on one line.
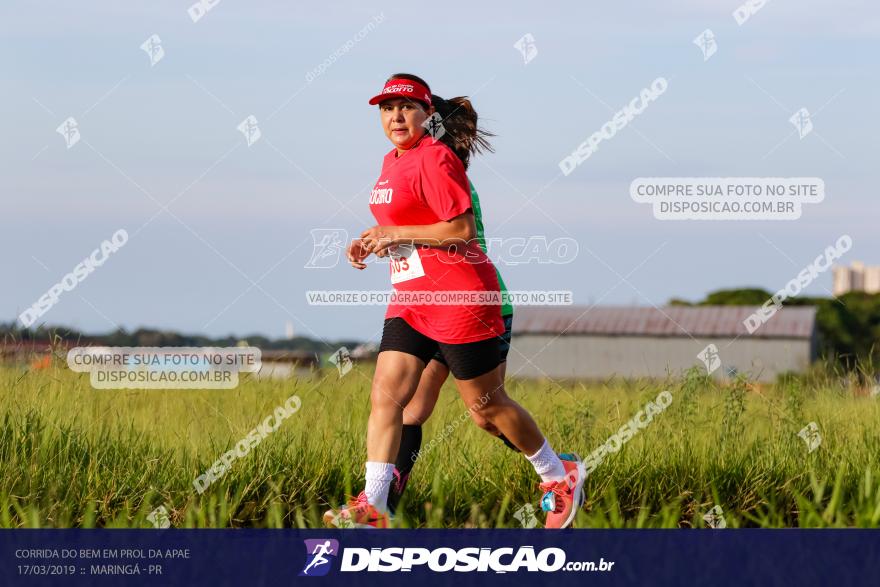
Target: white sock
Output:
[(547, 464), (379, 476)]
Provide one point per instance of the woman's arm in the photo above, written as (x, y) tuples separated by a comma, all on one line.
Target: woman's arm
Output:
[(458, 231)]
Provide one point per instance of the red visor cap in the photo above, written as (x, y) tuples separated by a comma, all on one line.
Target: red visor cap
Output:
[(403, 88)]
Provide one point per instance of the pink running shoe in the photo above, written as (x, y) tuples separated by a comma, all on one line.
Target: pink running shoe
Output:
[(359, 513), (562, 499)]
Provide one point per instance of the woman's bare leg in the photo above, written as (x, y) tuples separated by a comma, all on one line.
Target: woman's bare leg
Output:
[(485, 397), (562, 481), (420, 407), (394, 383), (485, 424), (422, 404)]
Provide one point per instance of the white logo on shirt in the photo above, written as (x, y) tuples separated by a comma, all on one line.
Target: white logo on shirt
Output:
[(381, 195)]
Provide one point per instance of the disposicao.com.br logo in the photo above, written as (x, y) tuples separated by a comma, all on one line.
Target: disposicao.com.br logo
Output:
[(442, 560), (317, 556)]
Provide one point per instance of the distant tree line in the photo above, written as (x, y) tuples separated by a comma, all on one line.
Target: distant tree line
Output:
[(10, 333), (848, 326), (848, 329)]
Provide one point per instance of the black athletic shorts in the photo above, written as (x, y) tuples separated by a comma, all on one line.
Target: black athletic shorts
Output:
[(466, 361), (503, 342)]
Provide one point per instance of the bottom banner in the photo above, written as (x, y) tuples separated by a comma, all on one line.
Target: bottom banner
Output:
[(437, 557)]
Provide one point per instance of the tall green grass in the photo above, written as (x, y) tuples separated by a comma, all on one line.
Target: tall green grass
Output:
[(72, 456)]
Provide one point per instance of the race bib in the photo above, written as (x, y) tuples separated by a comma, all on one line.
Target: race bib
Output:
[(406, 263)]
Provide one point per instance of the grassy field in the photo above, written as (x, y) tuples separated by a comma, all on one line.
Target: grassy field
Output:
[(72, 456)]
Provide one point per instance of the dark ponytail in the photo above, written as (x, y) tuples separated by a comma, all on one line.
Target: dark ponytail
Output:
[(459, 120)]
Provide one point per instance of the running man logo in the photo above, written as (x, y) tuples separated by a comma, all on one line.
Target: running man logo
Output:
[(327, 246), (342, 359), (69, 129), (434, 126), (159, 518), (710, 358), (802, 122), (526, 46), (153, 48), (250, 130), (526, 516), (706, 42), (811, 436), (317, 553), (715, 518)]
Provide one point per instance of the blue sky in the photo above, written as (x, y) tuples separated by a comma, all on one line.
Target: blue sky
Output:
[(243, 214)]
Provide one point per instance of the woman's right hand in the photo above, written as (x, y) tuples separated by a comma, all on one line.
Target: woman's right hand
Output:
[(357, 252)]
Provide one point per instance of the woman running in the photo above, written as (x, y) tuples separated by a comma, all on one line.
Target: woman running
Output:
[(420, 407), (424, 210)]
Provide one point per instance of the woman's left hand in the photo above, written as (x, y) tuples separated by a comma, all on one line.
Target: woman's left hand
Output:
[(378, 238)]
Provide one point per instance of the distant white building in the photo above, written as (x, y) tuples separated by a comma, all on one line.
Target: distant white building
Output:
[(856, 277), (584, 342)]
